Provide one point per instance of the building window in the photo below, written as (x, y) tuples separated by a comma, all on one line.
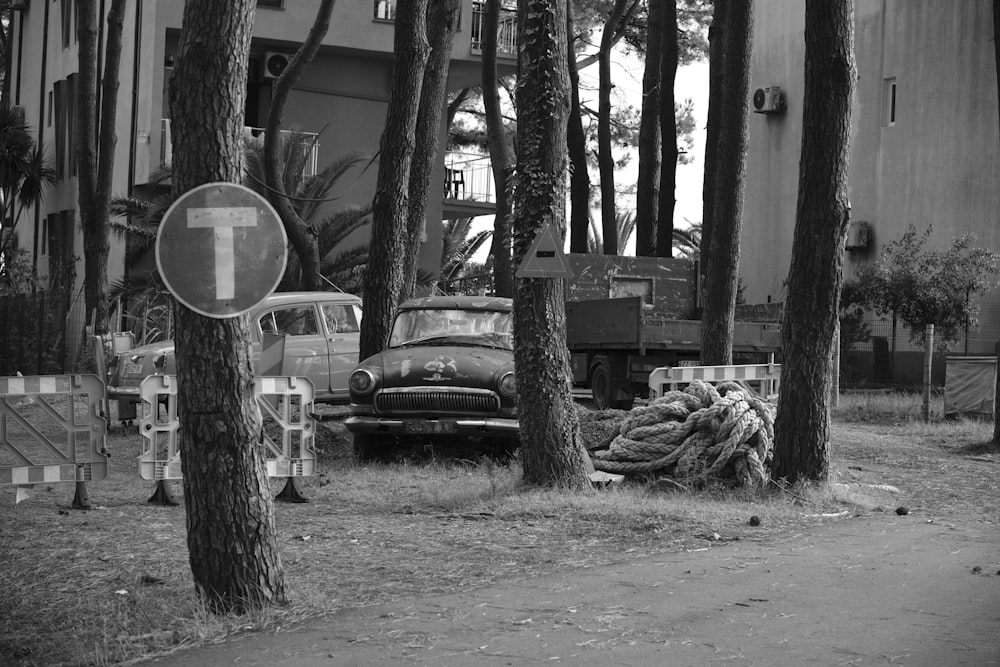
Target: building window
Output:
[(67, 22), (889, 102), (385, 10), (271, 4)]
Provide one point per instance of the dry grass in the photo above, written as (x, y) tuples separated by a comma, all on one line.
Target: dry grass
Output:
[(113, 584)]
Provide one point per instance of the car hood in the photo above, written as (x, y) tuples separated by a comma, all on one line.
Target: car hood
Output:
[(444, 365)]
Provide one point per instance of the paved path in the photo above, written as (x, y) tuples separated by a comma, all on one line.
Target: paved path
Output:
[(868, 591)]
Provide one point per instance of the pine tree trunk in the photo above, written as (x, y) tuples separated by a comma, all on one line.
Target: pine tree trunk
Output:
[(802, 428), (723, 256), (605, 157), (501, 156), (668, 130), (231, 540), (551, 450), (442, 22), (716, 66), (576, 143), (383, 279), (647, 186)]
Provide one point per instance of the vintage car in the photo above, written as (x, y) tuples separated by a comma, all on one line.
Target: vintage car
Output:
[(318, 332), (446, 378)]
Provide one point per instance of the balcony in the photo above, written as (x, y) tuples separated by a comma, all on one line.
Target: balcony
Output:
[(308, 141), (506, 30), (469, 189)]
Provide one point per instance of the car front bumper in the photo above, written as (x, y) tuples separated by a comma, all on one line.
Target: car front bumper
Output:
[(497, 427)]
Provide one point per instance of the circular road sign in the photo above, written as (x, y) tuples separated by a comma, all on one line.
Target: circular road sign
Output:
[(221, 249)]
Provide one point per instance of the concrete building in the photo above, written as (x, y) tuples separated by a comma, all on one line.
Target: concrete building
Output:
[(925, 146), (342, 96)]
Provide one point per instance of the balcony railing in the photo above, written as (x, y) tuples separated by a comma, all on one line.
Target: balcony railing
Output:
[(469, 177), (506, 30), (308, 141)]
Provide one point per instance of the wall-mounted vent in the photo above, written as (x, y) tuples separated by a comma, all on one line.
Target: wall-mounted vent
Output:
[(274, 64), (768, 100)]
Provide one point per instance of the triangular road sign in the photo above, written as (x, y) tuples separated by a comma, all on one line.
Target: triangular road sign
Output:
[(545, 258)]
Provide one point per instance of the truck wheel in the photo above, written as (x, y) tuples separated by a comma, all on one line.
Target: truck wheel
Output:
[(368, 447), (600, 385)]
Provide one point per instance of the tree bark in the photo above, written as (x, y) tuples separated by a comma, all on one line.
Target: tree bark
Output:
[(668, 131), (501, 156), (716, 66), (802, 428), (550, 436), (647, 194), (442, 22), (722, 259), (231, 539), (383, 279), (576, 143), (302, 238), (605, 157), (96, 150)]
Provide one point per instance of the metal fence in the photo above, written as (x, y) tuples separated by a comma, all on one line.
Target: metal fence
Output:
[(33, 332)]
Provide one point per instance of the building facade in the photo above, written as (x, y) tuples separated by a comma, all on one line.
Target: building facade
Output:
[(342, 97), (925, 143)]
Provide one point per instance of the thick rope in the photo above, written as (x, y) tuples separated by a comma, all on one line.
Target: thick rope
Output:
[(701, 432)]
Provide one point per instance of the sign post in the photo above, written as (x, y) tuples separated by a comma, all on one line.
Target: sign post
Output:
[(221, 249)]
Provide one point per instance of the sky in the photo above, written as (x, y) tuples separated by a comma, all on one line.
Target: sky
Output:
[(692, 82)]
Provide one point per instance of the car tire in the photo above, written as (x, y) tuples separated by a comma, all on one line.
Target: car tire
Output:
[(504, 450), (370, 447), (600, 385)]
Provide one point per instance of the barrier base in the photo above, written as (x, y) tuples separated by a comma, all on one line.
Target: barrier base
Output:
[(81, 500), (290, 494), (162, 495)]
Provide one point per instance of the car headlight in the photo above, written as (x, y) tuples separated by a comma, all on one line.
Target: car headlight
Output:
[(507, 384), (362, 381)]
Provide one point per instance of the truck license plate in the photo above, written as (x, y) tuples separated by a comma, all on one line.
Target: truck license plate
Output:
[(429, 427), (133, 369)]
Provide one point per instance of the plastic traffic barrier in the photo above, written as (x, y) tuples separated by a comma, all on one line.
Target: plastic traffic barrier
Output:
[(764, 379), (52, 429), (288, 430)]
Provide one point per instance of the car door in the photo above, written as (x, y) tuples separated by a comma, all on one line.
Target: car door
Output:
[(306, 351), (343, 324)]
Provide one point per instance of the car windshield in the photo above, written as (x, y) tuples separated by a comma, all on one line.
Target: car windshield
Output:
[(491, 328)]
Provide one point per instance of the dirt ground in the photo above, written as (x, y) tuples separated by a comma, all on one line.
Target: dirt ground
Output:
[(920, 588)]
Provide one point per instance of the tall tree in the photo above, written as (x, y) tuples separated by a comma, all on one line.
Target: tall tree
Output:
[(621, 12), (442, 22), (721, 254), (647, 187), (501, 155), (716, 65), (666, 199), (301, 237), (96, 154), (802, 427), (231, 538), (384, 274), (550, 444), (576, 142)]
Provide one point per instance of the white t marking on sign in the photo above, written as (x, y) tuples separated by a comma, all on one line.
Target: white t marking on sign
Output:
[(222, 220)]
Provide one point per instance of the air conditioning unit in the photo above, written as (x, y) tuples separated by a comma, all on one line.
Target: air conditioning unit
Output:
[(858, 235), (768, 100), (274, 64)]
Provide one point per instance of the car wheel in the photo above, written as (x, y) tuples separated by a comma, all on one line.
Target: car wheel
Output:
[(370, 447), (504, 450), (600, 385)]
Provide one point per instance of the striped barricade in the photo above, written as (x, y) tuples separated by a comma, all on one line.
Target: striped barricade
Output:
[(764, 379), (52, 429), (288, 433)]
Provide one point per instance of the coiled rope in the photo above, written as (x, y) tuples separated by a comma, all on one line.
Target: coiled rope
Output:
[(697, 433)]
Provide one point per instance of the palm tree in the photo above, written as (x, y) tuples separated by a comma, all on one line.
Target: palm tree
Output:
[(624, 228), (458, 245), (24, 172)]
